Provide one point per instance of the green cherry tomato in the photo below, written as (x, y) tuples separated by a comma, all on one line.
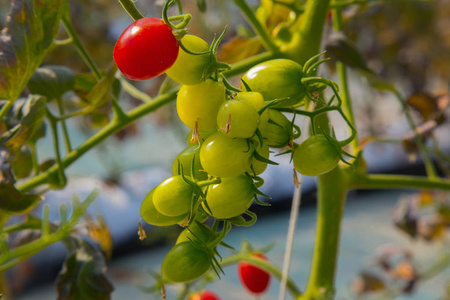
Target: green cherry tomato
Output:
[(188, 69), (200, 102), (315, 156), (194, 233), (258, 167), (275, 79), (230, 198), (173, 196), (257, 101), (185, 158), (222, 156), (185, 262), (278, 131), (237, 119), (152, 216)]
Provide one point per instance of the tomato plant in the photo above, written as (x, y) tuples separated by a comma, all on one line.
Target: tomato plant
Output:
[(146, 49), (173, 196), (253, 278), (152, 216), (238, 119)]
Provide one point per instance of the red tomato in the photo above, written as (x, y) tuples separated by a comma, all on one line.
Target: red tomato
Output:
[(205, 295), (254, 279), (146, 49)]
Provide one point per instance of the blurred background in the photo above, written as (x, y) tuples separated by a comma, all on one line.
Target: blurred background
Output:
[(407, 43)]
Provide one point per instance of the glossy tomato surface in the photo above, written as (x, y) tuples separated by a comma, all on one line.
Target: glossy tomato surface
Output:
[(253, 278), (146, 49), (205, 295)]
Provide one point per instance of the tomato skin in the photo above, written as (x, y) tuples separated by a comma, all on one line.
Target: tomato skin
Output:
[(222, 156), (258, 167), (146, 49), (200, 102), (185, 158), (230, 198), (151, 215), (315, 156), (276, 79), (244, 119), (257, 101), (173, 196), (185, 262), (194, 233), (277, 135), (254, 279), (188, 69), (204, 295)]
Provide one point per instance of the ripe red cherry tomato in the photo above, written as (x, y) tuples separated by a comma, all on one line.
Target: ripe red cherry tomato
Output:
[(205, 295), (146, 49), (254, 279)]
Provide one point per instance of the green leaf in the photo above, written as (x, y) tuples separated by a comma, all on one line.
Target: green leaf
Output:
[(33, 113), (22, 162), (30, 30), (83, 273), (377, 82), (51, 81), (14, 202), (340, 47), (101, 92)]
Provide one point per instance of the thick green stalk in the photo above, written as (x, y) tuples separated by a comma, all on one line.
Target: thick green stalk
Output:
[(331, 199), (383, 181), (311, 28), (5, 108)]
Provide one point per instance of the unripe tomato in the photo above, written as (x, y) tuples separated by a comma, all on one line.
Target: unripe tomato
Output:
[(278, 131), (203, 136), (315, 156), (146, 49), (185, 159), (185, 262), (204, 295), (200, 102), (253, 278), (150, 215), (188, 69), (276, 79), (257, 101), (194, 232), (230, 198), (222, 156), (173, 196), (242, 117), (258, 167)]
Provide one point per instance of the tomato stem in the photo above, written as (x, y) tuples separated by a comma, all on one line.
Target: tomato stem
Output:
[(131, 9)]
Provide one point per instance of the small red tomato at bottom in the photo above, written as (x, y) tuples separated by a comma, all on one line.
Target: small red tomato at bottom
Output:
[(205, 295), (253, 278)]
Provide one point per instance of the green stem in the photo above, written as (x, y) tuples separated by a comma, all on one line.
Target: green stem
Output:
[(64, 127), (59, 166), (331, 198), (343, 83), (311, 28), (382, 181), (257, 26), (429, 167), (99, 136), (5, 108), (81, 50), (131, 9), (265, 265)]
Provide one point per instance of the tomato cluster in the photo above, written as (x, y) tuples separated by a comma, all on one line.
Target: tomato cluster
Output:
[(228, 147)]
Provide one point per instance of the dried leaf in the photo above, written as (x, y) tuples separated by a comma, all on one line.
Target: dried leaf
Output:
[(367, 283), (238, 48)]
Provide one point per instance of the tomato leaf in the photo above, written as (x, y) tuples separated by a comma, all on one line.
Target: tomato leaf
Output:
[(14, 202), (101, 92), (30, 29), (33, 113), (51, 81), (83, 273), (340, 47)]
